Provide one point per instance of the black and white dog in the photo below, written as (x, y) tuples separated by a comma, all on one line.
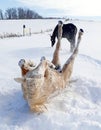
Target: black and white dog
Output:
[(69, 32)]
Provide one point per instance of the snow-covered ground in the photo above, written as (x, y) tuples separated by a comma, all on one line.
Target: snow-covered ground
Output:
[(78, 107)]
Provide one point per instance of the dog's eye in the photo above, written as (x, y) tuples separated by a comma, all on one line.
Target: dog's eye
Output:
[(31, 65)]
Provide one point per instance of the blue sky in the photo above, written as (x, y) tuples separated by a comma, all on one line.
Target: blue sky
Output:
[(57, 8)]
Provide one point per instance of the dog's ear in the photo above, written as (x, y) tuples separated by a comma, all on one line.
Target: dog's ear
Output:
[(19, 80)]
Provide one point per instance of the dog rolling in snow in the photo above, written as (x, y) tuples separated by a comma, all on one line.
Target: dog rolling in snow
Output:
[(41, 82)]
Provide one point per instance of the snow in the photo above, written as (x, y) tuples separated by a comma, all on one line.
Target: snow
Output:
[(77, 107)]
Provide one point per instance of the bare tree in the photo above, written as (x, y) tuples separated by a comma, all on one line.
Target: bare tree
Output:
[(8, 13), (29, 14), (14, 13), (1, 15), (21, 13)]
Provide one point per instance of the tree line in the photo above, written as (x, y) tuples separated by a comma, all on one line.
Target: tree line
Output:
[(19, 13)]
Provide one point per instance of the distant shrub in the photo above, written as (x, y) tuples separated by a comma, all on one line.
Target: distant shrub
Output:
[(8, 35)]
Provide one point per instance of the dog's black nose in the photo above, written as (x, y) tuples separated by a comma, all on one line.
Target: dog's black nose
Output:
[(21, 62), (81, 30)]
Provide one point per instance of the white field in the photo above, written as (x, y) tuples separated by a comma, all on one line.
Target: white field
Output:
[(78, 107)]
